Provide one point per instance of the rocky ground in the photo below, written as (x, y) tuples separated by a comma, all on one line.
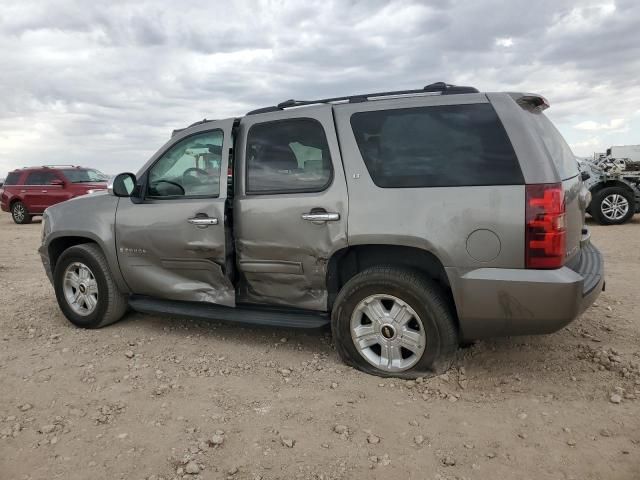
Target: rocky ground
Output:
[(165, 398)]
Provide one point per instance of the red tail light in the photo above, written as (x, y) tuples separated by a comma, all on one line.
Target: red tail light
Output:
[(545, 234)]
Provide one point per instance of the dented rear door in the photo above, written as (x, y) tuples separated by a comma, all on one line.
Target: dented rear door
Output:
[(290, 206), (173, 244)]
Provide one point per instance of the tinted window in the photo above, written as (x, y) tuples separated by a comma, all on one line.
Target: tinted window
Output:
[(12, 178), (40, 178), (287, 156), (452, 145), (556, 146), (189, 168), (84, 175)]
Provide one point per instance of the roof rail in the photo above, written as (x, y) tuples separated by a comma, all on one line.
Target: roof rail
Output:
[(53, 166), (201, 122), (435, 88)]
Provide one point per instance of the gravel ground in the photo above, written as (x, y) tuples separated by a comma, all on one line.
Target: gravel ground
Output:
[(163, 398)]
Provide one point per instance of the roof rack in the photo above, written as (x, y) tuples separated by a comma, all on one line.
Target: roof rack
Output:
[(433, 88), (178, 130), (53, 166)]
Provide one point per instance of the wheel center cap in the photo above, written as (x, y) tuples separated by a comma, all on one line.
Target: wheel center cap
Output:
[(388, 332), (82, 288)]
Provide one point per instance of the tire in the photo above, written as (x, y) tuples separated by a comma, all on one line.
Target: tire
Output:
[(607, 203), (19, 213), (418, 296), (110, 304)]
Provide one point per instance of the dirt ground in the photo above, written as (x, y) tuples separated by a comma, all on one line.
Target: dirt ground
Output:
[(163, 398)]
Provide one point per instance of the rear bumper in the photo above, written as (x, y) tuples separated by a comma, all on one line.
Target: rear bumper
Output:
[(497, 302)]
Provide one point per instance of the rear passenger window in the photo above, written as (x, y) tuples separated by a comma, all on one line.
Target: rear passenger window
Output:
[(34, 178), (12, 178), (40, 178), (287, 156), (440, 146)]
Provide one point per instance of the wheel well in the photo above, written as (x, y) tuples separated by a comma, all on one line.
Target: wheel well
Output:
[(59, 245), (611, 183), (348, 262)]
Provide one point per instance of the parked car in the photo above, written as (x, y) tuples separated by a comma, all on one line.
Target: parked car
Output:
[(29, 191), (409, 221), (614, 184)]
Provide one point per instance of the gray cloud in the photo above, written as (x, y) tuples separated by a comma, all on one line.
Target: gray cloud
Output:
[(104, 83)]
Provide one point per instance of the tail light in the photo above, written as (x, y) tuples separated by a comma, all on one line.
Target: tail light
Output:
[(545, 234)]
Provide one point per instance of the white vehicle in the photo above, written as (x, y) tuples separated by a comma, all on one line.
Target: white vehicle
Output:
[(614, 182), (626, 152)]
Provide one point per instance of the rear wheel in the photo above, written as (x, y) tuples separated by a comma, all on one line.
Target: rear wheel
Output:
[(19, 213), (612, 205), (85, 289), (393, 322)]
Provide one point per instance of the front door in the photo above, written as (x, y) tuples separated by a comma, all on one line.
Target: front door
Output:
[(171, 239), (290, 208)]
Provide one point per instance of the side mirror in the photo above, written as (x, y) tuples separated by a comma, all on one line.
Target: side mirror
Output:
[(585, 176), (57, 181), (122, 185)]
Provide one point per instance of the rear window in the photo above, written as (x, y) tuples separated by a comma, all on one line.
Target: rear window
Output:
[(440, 146), (12, 178), (555, 144)]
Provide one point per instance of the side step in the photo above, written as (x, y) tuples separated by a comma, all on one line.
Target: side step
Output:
[(252, 315)]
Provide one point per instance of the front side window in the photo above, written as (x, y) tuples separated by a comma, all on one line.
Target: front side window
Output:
[(287, 156), (84, 175), (438, 146), (191, 168)]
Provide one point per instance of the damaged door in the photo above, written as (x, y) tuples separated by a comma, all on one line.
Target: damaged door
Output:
[(171, 239), (290, 208)]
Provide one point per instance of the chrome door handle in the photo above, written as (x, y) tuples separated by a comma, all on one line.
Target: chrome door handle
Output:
[(44, 191), (203, 221), (321, 217)]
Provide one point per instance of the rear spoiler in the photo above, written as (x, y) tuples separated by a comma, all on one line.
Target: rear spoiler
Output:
[(531, 101)]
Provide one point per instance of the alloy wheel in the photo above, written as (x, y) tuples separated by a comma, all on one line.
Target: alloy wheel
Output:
[(614, 206), (388, 333), (80, 288)]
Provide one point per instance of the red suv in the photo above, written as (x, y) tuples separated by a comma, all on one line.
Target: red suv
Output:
[(28, 191)]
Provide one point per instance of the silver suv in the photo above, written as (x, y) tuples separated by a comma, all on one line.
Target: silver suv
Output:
[(410, 221)]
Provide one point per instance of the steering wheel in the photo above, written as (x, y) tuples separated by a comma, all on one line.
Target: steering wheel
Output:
[(182, 191), (197, 170)]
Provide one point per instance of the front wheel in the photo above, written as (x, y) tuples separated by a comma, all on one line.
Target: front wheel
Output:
[(393, 322), (612, 206), (85, 289)]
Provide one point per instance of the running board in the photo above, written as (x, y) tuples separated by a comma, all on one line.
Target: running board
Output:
[(252, 315)]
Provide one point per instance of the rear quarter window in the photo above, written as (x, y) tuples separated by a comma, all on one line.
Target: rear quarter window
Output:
[(439, 146), (555, 145), (12, 178)]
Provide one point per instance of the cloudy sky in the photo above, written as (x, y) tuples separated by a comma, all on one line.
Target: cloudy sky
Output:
[(103, 83)]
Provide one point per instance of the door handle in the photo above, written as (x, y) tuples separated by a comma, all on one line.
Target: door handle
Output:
[(203, 221), (44, 191), (321, 216)]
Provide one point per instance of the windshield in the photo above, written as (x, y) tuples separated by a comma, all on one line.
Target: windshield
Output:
[(84, 175)]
